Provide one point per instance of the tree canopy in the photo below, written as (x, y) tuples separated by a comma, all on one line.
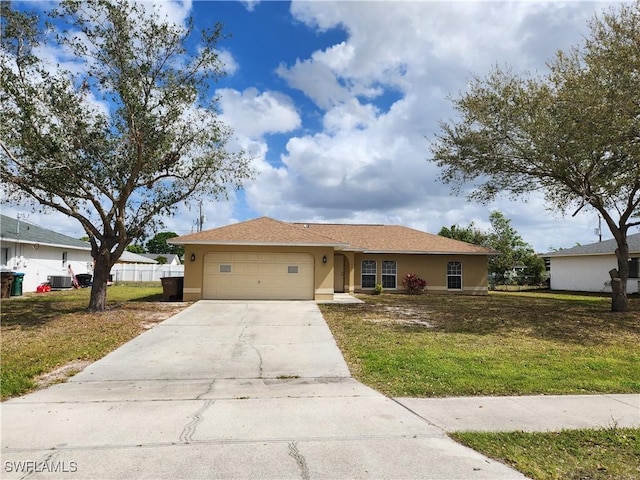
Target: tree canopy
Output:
[(158, 244), (469, 234), (516, 259), (573, 133), (122, 133)]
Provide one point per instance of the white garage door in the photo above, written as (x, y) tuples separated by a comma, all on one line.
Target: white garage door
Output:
[(258, 276)]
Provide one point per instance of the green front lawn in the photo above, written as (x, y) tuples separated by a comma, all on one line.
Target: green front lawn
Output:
[(607, 454), (500, 344)]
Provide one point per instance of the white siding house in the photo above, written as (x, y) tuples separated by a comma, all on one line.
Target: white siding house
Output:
[(586, 268), (40, 253)]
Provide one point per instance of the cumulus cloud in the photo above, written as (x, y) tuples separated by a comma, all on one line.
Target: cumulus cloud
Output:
[(230, 64), (254, 114)]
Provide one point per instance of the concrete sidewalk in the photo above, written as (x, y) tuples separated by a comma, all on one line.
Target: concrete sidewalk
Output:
[(228, 390), (528, 413)]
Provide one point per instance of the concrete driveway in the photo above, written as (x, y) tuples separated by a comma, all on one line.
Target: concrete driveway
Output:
[(228, 390)]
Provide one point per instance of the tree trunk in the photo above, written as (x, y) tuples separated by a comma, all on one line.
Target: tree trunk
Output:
[(619, 278), (101, 270), (618, 296)]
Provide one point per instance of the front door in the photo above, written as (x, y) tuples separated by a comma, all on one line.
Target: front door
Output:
[(338, 273)]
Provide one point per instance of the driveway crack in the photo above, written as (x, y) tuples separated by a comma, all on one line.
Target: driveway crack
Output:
[(255, 349), (300, 460), (190, 429)]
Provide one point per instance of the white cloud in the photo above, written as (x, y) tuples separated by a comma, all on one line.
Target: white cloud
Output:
[(253, 114), (250, 5), (230, 64), (175, 11)]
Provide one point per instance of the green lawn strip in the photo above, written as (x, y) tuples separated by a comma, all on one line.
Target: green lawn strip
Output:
[(43, 332), (551, 347), (606, 454)]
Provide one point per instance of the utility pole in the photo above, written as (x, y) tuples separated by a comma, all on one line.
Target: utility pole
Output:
[(201, 217)]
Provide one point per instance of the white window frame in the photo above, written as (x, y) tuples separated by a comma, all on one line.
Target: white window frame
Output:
[(390, 272), (457, 273), (367, 272)]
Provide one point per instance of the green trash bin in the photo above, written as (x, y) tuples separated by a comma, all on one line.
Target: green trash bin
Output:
[(16, 286)]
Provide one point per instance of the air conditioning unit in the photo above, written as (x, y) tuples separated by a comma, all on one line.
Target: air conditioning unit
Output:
[(62, 281)]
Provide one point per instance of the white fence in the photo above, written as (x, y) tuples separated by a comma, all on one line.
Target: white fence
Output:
[(134, 272)]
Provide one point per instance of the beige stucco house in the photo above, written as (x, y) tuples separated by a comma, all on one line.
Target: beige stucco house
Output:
[(270, 259)]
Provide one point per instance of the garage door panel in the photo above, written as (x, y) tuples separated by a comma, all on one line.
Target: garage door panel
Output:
[(258, 275)]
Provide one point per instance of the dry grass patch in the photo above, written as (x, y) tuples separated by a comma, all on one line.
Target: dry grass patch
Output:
[(48, 337)]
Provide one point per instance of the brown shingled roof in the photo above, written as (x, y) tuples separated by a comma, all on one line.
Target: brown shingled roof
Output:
[(367, 238), (392, 238), (263, 230)]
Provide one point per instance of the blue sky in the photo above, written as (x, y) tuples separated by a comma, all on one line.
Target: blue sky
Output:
[(337, 102)]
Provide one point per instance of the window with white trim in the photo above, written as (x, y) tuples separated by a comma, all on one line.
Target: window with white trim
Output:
[(389, 274), (454, 276), (369, 273)]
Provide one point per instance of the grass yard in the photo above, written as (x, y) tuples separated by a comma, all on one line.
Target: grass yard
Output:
[(501, 344), (607, 454), (47, 337)]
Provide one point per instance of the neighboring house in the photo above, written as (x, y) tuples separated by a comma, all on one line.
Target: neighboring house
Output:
[(586, 268), (269, 259), (40, 253), (130, 257), (133, 267), (172, 258)]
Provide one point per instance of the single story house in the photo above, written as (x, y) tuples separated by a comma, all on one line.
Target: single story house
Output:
[(585, 268), (130, 257), (265, 258), (171, 258), (133, 267), (40, 253)]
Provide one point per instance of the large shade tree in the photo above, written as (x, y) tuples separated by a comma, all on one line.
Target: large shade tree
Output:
[(513, 253), (573, 133), (123, 132)]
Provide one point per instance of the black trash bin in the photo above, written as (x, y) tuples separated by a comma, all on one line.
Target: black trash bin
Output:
[(7, 281), (172, 288), (16, 286), (84, 279)]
